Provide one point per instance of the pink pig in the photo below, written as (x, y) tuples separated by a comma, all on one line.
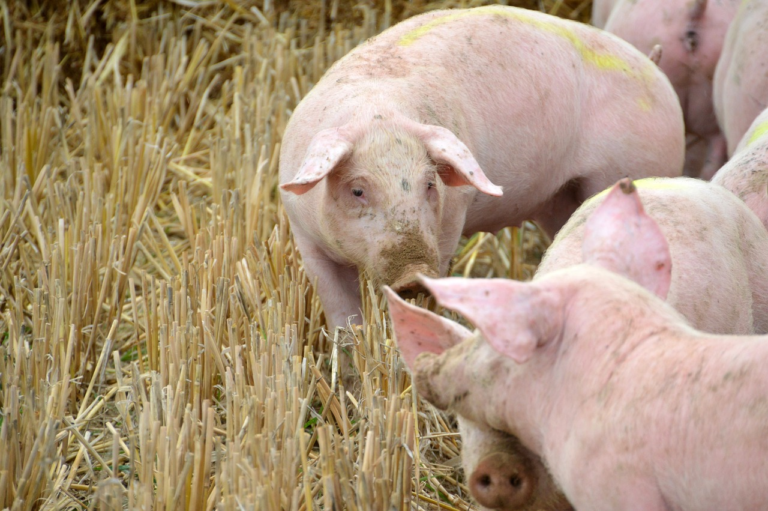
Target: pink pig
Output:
[(746, 174), (628, 406), (733, 299), (691, 35), (395, 152), (707, 228), (741, 77)]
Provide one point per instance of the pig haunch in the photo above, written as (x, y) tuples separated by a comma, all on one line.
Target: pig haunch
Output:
[(691, 37), (741, 76), (746, 174), (414, 135)]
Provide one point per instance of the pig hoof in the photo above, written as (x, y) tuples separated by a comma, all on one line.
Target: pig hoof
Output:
[(500, 482)]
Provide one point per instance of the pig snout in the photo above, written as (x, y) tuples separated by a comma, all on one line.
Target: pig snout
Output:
[(500, 482)]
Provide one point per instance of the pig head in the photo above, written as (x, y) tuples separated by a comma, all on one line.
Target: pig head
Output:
[(454, 369), (388, 198)]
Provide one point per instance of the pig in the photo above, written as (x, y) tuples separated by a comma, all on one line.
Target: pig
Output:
[(707, 227), (746, 174), (626, 404), (407, 142), (731, 300), (691, 35), (741, 76)]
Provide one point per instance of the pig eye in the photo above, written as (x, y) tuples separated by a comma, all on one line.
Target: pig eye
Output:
[(430, 185), (357, 192)]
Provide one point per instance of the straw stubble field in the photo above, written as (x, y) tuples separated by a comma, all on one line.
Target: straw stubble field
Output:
[(161, 345)]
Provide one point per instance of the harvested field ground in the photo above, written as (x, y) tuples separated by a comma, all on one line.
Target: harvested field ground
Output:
[(161, 347)]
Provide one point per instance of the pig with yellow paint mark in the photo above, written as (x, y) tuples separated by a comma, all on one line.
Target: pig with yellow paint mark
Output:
[(408, 141), (691, 35), (746, 174), (741, 77)]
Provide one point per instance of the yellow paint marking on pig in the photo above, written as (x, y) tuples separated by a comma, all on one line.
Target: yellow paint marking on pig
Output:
[(657, 183), (603, 61), (648, 183), (760, 130)]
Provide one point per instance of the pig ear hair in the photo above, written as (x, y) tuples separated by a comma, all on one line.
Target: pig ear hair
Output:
[(327, 149), (445, 147), (621, 237), (514, 317), (419, 330)]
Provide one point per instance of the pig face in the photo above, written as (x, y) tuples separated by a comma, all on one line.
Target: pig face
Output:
[(389, 198)]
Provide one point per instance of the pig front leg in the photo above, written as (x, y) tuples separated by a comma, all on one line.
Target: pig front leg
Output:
[(336, 284)]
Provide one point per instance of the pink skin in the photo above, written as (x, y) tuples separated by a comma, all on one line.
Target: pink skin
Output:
[(746, 174), (629, 407), (619, 235), (691, 35), (462, 104), (741, 77)]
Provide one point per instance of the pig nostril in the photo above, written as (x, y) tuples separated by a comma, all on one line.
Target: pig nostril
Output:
[(516, 481), (484, 480)]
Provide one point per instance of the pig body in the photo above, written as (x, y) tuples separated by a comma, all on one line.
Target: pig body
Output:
[(691, 35), (718, 282), (741, 77), (746, 174), (552, 111)]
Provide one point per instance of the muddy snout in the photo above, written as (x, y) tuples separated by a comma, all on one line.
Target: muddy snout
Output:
[(501, 483), (408, 286)]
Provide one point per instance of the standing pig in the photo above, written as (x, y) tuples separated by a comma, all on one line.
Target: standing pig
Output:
[(746, 174), (741, 77), (393, 154), (719, 282), (628, 406), (691, 35)]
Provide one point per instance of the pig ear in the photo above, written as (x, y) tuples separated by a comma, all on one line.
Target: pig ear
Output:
[(621, 237), (444, 147), (514, 317), (419, 330), (327, 149)]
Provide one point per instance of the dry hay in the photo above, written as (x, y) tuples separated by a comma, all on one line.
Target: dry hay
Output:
[(161, 346)]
